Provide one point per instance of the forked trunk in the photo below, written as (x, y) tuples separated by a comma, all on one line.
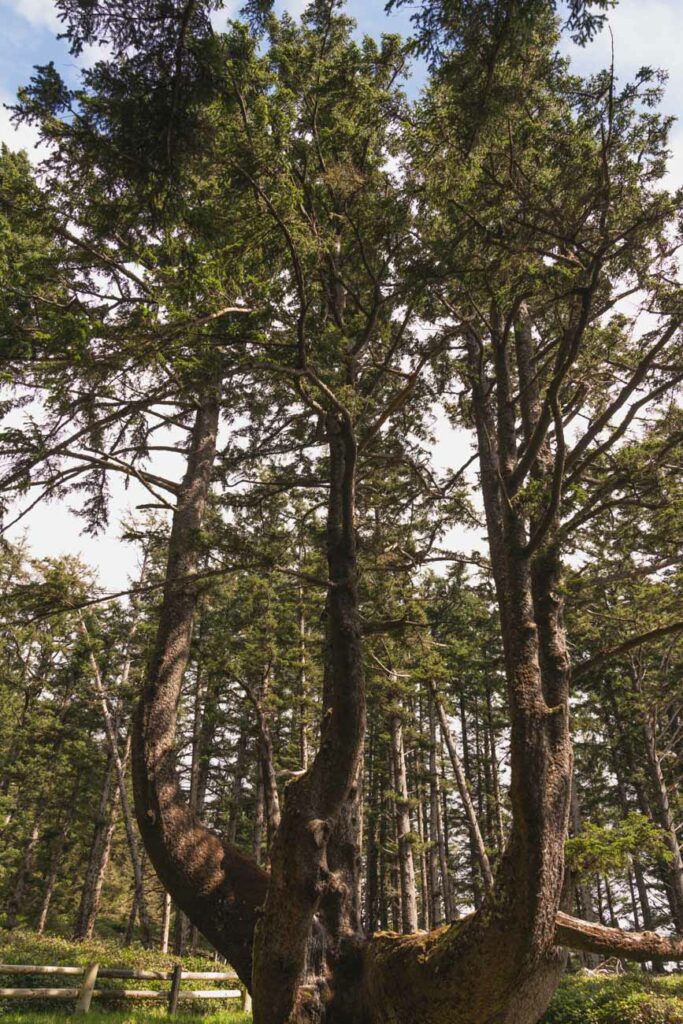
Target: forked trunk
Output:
[(312, 963)]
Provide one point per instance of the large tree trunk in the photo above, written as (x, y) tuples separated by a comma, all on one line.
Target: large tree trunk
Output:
[(311, 917), (437, 826)]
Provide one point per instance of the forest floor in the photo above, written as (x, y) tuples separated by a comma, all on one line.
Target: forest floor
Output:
[(630, 998)]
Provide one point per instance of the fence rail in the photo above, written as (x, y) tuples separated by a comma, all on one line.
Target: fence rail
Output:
[(86, 992)]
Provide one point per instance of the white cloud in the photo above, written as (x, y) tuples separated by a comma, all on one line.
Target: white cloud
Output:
[(21, 136), (40, 13), (645, 35)]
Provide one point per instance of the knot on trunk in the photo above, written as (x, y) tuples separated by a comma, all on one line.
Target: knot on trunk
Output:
[(319, 830)]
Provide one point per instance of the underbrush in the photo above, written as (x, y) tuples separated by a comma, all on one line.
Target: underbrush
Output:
[(631, 998)]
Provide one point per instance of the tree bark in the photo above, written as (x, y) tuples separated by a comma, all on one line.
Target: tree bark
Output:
[(165, 922), (311, 913)]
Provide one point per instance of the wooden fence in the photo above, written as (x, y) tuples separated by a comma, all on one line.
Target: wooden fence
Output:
[(86, 992)]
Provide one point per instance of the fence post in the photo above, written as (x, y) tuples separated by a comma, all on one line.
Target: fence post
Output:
[(87, 987), (175, 988), (246, 1002)]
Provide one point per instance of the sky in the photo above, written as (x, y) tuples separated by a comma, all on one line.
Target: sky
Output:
[(645, 33)]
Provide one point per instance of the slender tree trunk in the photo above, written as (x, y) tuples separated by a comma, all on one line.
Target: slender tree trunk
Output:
[(662, 806), (268, 774), (112, 739), (181, 933), (425, 901), (383, 858), (371, 838), (475, 869), (259, 816), (48, 891), (165, 922), (98, 855), (100, 849), (237, 782), (304, 752), (583, 892), (18, 892), (132, 916), (495, 780), (406, 862), (476, 838), (57, 848)]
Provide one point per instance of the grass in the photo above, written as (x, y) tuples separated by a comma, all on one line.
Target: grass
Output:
[(630, 998), (25, 947), (133, 1014)]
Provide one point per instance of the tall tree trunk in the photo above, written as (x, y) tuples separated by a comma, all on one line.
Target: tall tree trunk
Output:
[(495, 780), (476, 838), (237, 782), (315, 858), (304, 752), (372, 858), (665, 819), (383, 860), (475, 868), (165, 922), (406, 862), (425, 901), (128, 820), (18, 892), (100, 849), (267, 759), (583, 892), (57, 848), (259, 815)]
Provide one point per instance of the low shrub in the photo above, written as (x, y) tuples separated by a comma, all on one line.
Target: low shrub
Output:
[(632, 998)]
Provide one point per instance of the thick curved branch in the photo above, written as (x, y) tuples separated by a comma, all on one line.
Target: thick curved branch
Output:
[(596, 938), (218, 888)]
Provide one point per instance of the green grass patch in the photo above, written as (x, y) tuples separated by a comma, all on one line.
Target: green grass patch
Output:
[(631, 998), (25, 947), (132, 1014)]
